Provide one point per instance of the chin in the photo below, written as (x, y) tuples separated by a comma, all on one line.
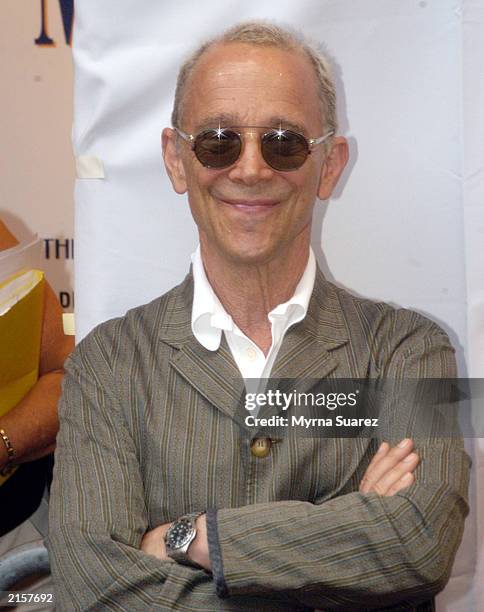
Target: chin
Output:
[(248, 254)]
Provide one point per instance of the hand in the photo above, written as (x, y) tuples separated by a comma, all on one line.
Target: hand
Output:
[(153, 542), (391, 469)]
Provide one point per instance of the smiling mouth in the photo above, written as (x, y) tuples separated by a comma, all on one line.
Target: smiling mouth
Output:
[(251, 206)]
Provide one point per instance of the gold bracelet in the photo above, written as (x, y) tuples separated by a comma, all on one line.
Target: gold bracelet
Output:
[(5, 471)]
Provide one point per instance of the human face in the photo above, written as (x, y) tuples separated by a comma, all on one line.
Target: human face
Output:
[(249, 212)]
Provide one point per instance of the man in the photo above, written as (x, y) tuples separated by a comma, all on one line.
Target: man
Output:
[(160, 499)]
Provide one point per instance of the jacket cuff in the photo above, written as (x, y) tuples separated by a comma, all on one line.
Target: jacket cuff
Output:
[(215, 554)]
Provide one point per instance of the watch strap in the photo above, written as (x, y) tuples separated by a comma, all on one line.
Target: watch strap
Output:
[(180, 555)]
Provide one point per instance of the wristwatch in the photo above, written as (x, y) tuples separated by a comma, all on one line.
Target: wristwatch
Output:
[(179, 536)]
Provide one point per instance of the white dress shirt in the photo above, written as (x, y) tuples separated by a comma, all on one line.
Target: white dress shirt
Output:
[(209, 319)]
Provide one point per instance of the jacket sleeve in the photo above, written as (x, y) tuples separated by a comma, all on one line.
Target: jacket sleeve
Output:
[(97, 508), (357, 551)]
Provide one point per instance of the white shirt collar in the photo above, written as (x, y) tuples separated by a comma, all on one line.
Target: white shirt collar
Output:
[(209, 317)]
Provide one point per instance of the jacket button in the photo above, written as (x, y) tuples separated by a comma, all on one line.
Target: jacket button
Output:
[(261, 447)]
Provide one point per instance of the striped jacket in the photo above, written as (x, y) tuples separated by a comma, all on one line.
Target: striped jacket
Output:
[(149, 432)]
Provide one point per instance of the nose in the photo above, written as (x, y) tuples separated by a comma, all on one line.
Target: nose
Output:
[(251, 167)]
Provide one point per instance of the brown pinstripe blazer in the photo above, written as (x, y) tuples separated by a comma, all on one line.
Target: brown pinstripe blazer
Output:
[(148, 433)]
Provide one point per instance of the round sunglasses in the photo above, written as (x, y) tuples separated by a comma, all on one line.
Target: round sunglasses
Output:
[(283, 150)]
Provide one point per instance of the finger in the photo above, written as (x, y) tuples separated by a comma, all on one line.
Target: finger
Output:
[(392, 476), (383, 485), (387, 462), (372, 479), (403, 448), (380, 453), (405, 481)]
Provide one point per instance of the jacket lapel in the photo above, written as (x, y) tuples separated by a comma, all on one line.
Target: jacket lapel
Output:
[(307, 350), (305, 354), (214, 374)]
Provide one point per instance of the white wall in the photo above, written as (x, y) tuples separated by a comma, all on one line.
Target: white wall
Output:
[(406, 224)]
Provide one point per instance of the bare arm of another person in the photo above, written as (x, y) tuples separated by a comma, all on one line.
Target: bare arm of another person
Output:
[(32, 424)]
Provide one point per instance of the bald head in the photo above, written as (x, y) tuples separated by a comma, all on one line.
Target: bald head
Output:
[(263, 34)]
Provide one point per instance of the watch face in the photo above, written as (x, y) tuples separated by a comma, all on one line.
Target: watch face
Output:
[(179, 534)]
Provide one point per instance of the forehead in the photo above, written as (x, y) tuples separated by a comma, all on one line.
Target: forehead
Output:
[(252, 85)]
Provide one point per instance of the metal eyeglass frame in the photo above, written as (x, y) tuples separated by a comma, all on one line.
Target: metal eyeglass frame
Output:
[(312, 142)]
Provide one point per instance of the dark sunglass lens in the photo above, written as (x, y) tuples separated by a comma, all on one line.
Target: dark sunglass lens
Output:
[(285, 150), (217, 149)]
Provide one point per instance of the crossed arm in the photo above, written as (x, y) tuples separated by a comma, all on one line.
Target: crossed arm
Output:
[(390, 471)]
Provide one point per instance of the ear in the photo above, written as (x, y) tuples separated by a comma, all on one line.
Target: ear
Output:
[(333, 165), (173, 161)]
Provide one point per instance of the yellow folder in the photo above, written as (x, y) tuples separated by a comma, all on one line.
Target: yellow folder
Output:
[(21, 312)]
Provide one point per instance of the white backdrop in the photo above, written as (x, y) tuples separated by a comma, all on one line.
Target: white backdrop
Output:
[(406, 223)]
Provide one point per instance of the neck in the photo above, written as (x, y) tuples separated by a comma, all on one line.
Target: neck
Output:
[(249, 291)]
